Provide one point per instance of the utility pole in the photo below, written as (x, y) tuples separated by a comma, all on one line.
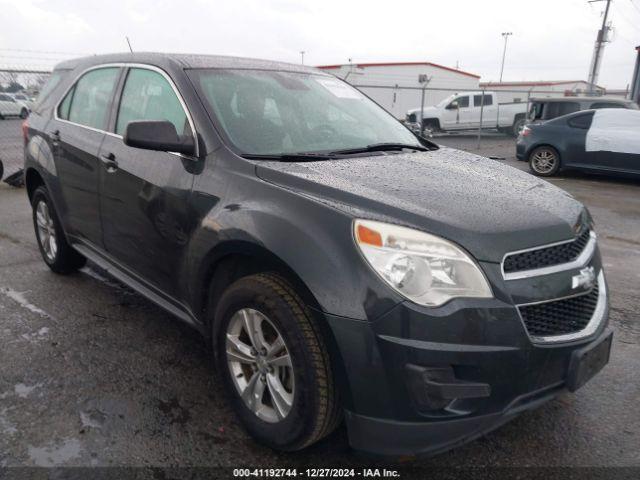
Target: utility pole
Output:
[(506, 36), (601, 39), (302, 52)]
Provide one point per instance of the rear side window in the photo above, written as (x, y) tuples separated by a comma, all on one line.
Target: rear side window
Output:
[(147, 95), (581, 121), (87, 103), (5, 98), (477, 100), (557, 109), (597, 105)]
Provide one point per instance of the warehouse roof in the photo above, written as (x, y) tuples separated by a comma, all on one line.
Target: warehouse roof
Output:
[(398, 64)]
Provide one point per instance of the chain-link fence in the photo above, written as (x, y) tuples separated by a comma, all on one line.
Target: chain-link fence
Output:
[(19, 88), (432, 111)]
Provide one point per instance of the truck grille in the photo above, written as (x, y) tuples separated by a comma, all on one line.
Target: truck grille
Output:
[(559, 317), (546, 256)]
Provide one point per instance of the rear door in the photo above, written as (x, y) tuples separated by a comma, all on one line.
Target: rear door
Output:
[(75, 135), (145, 194), (483, 109)]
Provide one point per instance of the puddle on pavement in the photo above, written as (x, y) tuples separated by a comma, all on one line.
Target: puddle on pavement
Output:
[(55, 454), (23, 391)]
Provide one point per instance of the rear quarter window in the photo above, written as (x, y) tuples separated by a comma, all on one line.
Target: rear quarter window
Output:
[(581, 121)]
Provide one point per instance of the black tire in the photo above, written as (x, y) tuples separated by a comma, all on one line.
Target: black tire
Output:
[(518, 125), (24, 113), (65, 259), (315, 410), (541, 167), (1, 170)]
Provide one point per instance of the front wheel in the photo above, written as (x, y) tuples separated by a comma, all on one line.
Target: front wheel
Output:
[(56, 252), (518, 126), (274, 363), (544, 161)]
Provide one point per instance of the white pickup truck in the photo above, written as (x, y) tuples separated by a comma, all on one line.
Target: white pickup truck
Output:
[(461, 111)]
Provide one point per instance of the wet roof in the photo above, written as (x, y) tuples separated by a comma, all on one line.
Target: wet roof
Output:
[(182, 60)]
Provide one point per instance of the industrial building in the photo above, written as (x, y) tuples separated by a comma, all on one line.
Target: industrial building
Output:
[(397, 86), (508, 92)]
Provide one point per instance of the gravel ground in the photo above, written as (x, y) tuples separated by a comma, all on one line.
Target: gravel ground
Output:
[(92, 374)]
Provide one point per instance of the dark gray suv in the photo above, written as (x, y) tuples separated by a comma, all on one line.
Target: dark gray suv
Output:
[(340, 267)]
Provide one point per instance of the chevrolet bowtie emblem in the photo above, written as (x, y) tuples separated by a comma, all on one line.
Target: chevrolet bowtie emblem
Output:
[(585, 279)]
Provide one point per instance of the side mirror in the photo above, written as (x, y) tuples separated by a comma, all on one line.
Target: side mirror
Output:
[(159, 135), (452, 106)]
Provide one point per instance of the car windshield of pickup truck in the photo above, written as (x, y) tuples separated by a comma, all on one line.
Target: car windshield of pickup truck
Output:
[(285, 113)]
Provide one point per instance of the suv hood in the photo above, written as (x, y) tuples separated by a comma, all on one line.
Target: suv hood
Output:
[(486, 207)]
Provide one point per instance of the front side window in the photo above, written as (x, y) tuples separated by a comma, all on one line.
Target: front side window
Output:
[(87, 103), (272, 113), (463, 102), (147, 95)]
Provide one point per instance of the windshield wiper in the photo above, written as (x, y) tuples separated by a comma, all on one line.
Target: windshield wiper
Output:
[(291, 157), (380, 147)]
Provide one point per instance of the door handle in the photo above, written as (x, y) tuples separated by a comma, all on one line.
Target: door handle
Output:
[(109, 161), (54, 136)]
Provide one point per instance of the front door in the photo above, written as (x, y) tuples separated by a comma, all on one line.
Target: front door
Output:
[(145, 194), (75, 135), (455, 113)]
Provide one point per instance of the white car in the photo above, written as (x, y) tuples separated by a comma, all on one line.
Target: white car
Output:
[(10, 107), (461, 111), (24, 98)]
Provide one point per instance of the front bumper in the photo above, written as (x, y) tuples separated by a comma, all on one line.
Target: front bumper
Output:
[(393, 437), (476, 366)]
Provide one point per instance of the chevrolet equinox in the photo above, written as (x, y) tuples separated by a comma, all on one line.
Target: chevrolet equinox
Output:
[(339, 266)]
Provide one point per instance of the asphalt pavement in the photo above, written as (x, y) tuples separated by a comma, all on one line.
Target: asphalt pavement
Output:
[(92, 374)]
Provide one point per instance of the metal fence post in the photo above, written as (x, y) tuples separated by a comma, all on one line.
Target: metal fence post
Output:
[(480, 126)]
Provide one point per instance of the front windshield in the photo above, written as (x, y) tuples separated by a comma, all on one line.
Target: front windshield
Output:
[(272, 113)]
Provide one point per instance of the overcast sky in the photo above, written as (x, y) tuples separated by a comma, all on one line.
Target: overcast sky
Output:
[(552, 39)]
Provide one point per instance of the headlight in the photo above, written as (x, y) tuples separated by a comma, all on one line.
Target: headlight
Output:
[(426, 269)]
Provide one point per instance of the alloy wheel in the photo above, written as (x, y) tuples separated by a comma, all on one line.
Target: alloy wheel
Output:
[(544, 161), (260, 365), (46, 231)]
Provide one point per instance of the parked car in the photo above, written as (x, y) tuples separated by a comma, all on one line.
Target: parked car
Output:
[(601, 141), (461, 111), (25, 99), (9, 107), (339, 266), (543, 109)]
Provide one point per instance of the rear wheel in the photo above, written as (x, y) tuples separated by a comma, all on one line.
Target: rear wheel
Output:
[(274, 363), (544, 161), (56, 252)]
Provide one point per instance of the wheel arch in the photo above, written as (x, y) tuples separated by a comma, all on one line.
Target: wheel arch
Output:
[(33, 179), (236, 259)]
